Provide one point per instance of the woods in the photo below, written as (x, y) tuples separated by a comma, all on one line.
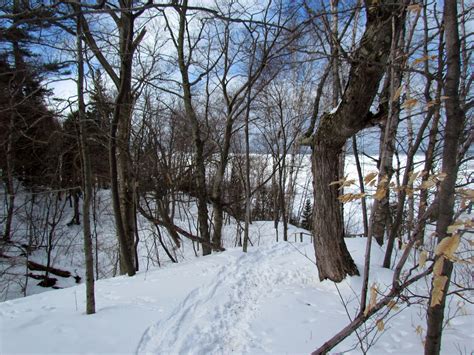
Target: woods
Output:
[(188, 123)]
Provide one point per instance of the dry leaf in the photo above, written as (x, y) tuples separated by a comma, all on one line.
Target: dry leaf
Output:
[(438, 290), (372, 299), (381, 189), (397, 93), (431, 103), (419, 330), (438, 266), (380, 325), (412, 177), (392, 305), (370, 177), (351, 197), (429, 183), (453, 228), (423, 258), (448, 246), (421, 60), (410, 103), (380, 193), (343, 182), (414, 7)]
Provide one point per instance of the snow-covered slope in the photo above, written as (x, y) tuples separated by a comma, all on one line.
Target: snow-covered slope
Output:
[(266, 301)]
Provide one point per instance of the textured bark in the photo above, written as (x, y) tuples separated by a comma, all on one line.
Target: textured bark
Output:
[(370, 61), (453, 130), (333, 259)]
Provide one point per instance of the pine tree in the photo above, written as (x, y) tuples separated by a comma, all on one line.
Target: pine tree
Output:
[(307, 216)]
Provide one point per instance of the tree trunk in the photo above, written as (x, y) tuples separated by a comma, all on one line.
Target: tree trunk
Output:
[(380, 216), (9, 182), (333, 259), (452, 134), (434, 130), (86, 177), (122, 191), (217, 198), (352, 115), (191, 115)]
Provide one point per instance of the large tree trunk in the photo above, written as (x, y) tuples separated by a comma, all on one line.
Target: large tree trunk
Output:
[(333, 259), (352, 115), (453, 130)]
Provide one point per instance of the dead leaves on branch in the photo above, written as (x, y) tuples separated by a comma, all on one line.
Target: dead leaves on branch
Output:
[(417, 181), (444, 251), (344, 182)]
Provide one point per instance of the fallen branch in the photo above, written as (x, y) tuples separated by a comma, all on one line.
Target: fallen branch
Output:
[(38, 267), (363, 317), (180, 230)]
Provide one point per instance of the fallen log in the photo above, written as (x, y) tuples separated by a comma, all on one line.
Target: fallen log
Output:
[(38, 267)]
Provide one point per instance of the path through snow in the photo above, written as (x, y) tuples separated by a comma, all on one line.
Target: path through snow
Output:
[(215, 318)]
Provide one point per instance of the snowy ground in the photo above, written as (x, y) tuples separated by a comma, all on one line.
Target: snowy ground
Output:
[(269, 300), (266, 301)]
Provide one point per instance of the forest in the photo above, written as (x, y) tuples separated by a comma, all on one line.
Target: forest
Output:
[(247, 157)]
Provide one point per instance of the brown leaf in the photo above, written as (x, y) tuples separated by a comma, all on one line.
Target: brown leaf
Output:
[(438, 266), (448, 246), (421, 59), (392, 305), (412, 177), (397, 93), (429, 183), (380, 325), (380, 193), (414, 7), (422, 259), (409, 103), (343, 182), (372, 299), (438, 290), (350, 197), (453, 228), (370, 177)]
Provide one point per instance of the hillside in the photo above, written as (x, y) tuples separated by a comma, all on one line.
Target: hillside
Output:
[(267, 301)]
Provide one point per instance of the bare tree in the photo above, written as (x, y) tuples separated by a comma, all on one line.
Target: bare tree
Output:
[(121, 174), (86, 175)]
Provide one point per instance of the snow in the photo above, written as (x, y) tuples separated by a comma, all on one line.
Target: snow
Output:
[(269, 300)]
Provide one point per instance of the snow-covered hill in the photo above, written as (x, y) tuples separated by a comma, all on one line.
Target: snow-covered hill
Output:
[(266, 301)]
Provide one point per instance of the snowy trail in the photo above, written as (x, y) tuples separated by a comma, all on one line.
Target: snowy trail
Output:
[(216, 317)]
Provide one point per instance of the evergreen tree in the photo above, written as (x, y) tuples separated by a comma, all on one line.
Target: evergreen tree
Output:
[(307, 216)]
